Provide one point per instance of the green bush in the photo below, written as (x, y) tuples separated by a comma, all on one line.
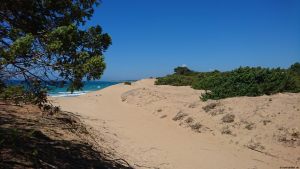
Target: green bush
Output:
[(249, 82), (33, 94), (295, 71), (295, 68), (182, 70), (175, 80), (207, 80), (14, 93), (244, 81)]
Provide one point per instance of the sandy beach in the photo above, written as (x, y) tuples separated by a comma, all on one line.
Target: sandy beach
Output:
[(169, 127)]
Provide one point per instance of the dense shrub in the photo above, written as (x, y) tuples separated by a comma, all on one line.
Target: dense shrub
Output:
[(182, 70), (20, 94), (295, 68), (208, 80), (248, 82), (244, 81), (175, 80), (14, 93)]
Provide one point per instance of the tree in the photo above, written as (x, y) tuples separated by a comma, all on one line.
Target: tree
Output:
[(42, 41), (182, 70), (295, 68)]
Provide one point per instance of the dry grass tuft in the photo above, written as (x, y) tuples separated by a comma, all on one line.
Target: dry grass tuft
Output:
[(254, 145), (226, 130), (210, 106), (250, 126), (228, 118), (179, 116), (196, 127), (163, 116), (189, 120)]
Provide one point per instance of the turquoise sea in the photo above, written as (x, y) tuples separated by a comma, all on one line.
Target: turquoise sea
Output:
[(89, 86)]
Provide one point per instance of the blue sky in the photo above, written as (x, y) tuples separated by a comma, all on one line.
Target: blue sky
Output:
[(151, 37)]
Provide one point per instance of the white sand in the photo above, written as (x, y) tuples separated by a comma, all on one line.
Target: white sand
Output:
[(166, 127)]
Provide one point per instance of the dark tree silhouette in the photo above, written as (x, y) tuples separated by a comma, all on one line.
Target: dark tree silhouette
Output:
[(295, 68), (182, 70)]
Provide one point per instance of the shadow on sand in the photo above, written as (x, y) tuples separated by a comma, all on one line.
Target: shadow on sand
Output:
[(21, 147)]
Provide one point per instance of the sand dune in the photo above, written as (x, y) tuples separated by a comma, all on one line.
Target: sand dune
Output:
[(170, 127)]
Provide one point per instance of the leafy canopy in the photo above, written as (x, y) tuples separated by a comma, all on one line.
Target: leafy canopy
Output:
[(295, 68), (182, 70), (42, 41)]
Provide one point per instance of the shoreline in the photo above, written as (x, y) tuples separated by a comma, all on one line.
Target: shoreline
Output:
[(96, 86), (138, 123)]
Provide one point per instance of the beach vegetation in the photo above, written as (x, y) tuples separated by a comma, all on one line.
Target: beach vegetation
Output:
[(210, 106), (179, 116), (243, 81), (196, 127), (295, 68), (42, 42), (228, 118), (182, 70), (226, 130), (189, 120)]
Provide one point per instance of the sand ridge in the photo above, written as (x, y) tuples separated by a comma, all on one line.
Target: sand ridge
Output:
[(170, 127)]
